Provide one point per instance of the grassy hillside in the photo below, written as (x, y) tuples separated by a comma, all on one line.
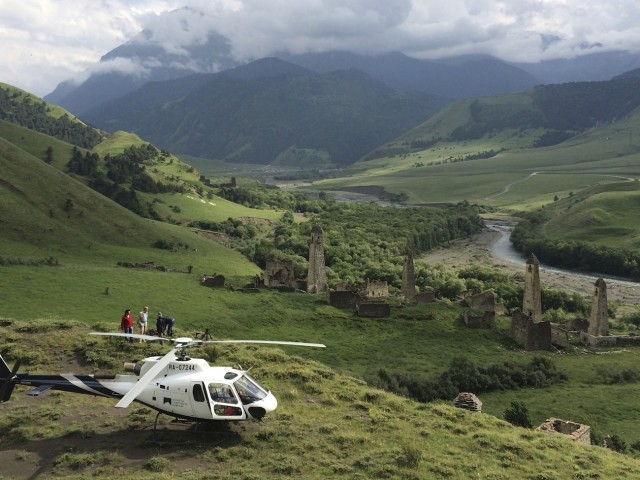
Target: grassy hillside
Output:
[(195, 205), (62, 246), (53, 110), (328, 425), (47, 213), (600, 215), (514, 177)]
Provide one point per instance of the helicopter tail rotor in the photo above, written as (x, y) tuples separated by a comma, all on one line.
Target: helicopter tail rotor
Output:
[(8, 379)]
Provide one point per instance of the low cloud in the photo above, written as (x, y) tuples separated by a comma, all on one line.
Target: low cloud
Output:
[(46, 40)]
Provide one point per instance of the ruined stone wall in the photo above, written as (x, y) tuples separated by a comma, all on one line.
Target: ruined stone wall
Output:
[(343, 299), (374, 309), (559, 337), (574, 431), (529, 334), (483, 320), (485, 301), (278, 274), (609, 340), (215, 281), (577, 325), (423, 298), (376, 288)]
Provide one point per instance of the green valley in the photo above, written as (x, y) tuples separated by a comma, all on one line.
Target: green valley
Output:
[(72, 259)]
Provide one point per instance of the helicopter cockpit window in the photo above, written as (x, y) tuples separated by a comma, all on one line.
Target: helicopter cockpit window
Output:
[(249, 390), (222, 393)]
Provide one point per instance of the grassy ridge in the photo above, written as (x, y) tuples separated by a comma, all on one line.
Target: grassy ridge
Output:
[(179, 208), (600, 216), (328, 425)]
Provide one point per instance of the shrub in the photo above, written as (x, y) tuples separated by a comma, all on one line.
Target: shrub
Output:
[(518, 414), (157, 463)]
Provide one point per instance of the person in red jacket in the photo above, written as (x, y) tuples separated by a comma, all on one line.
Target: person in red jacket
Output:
[(126, 324)]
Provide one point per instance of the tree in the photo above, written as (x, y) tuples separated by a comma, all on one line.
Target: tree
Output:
[(518, 414), (48, 155)]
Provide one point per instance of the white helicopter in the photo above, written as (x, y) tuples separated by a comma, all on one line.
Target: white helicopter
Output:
[(174, 384)]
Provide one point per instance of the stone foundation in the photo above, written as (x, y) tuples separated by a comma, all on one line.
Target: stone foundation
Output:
[(609, 340), (374, 309), (343, 299), (573, 431)]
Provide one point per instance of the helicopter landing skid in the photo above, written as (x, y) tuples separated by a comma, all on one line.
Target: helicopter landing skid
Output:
[(193, 427)]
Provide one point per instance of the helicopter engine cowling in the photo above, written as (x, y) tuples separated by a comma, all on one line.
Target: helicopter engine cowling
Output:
[(133, 367)]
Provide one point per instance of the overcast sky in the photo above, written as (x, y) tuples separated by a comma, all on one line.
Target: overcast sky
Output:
[(43, 42)]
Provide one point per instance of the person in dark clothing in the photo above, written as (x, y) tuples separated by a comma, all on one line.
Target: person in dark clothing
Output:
[(169, 322), (160, 324)]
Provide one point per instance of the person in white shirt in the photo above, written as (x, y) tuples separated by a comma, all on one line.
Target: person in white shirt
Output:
[(143, 319)]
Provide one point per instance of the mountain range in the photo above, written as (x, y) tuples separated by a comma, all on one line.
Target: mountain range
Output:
[(269, 111), (142, 59), (322, 109)]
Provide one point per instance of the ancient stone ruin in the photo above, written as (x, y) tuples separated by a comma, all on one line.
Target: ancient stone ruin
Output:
[(532, 301), (530, 334), (599, 321), (574, 431), (316, 274), (598, 332), (278, 274), (343, 299), (482, 313), (468, 401), (527, 327), (213, 281), (425, 297), (408, 289), (375, 288), (374, 309)]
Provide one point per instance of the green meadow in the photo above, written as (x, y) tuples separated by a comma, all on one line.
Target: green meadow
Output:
[(603, 154), (63, 255)]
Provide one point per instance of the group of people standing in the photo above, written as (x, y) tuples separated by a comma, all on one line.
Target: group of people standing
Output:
[(163, 324)]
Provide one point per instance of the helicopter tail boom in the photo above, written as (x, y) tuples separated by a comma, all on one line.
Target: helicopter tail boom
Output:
[(7, 379)]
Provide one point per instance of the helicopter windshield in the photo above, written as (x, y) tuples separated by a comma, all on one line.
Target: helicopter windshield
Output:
[(249, 390)]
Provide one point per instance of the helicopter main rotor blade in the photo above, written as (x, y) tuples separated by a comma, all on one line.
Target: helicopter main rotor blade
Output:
[(132, 335), (272, 342), (147, 378)]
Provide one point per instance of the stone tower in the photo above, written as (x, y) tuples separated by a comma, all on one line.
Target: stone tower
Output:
[(599, 321), (532, 302), (408, 277), (316, 275)]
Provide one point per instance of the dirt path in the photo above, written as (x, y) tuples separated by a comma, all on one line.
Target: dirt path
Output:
[(478, 250)]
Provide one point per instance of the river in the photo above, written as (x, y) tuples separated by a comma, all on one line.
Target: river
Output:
[(617, 288)]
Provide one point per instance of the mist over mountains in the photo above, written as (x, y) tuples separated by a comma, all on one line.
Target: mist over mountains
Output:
[(182, 42), (188, 92)]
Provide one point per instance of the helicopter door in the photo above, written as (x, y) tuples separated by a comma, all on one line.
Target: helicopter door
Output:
[(226, 405), (200, 401)]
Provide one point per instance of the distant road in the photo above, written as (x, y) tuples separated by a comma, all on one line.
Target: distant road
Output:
[(531, 175), (508, 187)]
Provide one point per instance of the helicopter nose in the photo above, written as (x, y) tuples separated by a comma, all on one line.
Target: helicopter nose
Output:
[(259, 409), (270, 403)]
